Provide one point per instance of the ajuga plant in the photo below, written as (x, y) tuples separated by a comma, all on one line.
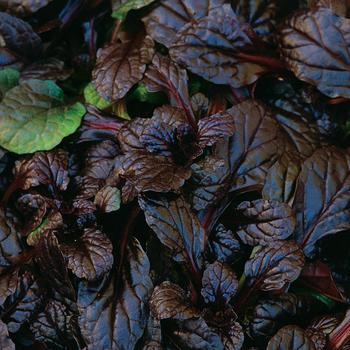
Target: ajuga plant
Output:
[(174, 174)]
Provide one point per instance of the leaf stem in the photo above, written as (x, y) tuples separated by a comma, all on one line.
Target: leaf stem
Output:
[(124, 237), (271, 62)]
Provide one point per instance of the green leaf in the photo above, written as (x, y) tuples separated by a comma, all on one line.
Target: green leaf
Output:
[(142, 94), (92, 97), (8, 79), (122, 7), (33, 117)]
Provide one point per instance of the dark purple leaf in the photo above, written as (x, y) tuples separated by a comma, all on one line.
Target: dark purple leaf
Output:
[(113, 313), (267, 221), (166, 20), (271, 313), (281, 178), (223, 244), (120, 65), (233, 337), (322, 196), (54, 326), (20, 306), (19, 36), (217, 48), (100, 159), (52, 265), (159, 139), (219, 283), (149, 171), (90, 256), (165, 75), (170, 301), (176, 227), (317, 337), (33, 207), (275, 266), (260, 14), (215, 128), (195, 334), (10, 247), (290, 338), (49, 69), (53, 221), (108, 199), (314, 45)]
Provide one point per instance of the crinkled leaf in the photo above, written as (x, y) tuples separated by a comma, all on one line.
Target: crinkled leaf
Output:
[(90, 256), (314, 45), (51, 168), (22, 8), (271, 313), (317, 337), (159, 139), (153, 335), (34, 117), (267, 221), (276, 265), (10, 247), (5, 340), (8, 79), (122, 7), (51, 222), (19, 36), (291, 338), (33, 207), (195, 334), (100, 159), (52, 266), (108, 199), (215, 49), (92, 97), (223, 244), (170, 301), (215, 128), (176, 227), (219, 283), (153, 173), (208, 181), (233, 337), (322, 196), (54, 326), (120, 65), (145, 162), (23, 303), (260, 14), (166, 20), (113, 314), (49, 69), (325, 324)]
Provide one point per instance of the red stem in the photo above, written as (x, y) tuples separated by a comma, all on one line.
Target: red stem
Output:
[(129, 226), (103, 126), (271, 62)]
